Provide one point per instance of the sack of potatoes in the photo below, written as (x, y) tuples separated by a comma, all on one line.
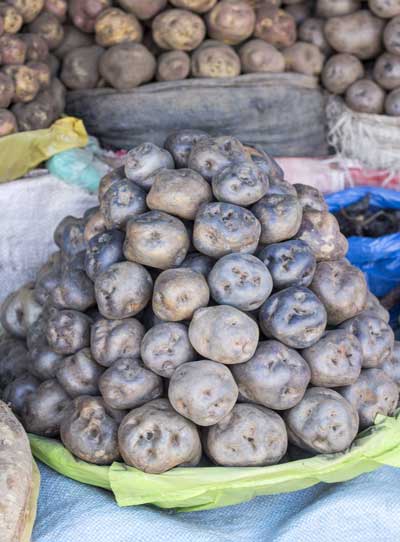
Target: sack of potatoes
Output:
[(205, 308)]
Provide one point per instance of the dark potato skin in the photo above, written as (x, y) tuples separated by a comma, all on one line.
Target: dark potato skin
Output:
[(67, 331), (143, 161), (80, 67), (122, 201), (17, 392), (19, 311), (180, 143), (69, 235), (73, 291), (240, 184), (387, 71), (103, 250), (90, 432), (310, 198), (14, 361), (249, 436), (392, 365), (279, 216), (79, 374), (198, 262), (392, 103), (8, 123)]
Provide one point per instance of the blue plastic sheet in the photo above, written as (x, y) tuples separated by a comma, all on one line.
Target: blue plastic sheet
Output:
[(378, 258)]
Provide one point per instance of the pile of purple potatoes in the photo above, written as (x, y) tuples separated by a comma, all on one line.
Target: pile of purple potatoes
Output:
[(204, 310)]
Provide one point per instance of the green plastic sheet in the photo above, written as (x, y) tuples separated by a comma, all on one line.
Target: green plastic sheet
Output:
[(203, 488)]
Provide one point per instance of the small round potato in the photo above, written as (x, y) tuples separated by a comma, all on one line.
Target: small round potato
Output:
[(89, 431), (224, 334), (8, 122), (373, 393), (154, 438), (391, 36), (127, 65), (7, 90), (178, 293), (25, 81), (217, 60), (249, 436), (321, 232), (374, 307), (203, 391), (122, 201), (240, 280), (335, 360), (14, 361), (275, 26), (178, 29), (241, 183), (387, 71), (290, 263), (156, 239), (80, 67), (294, 316), (323, 422), (69, 235), (45, 408), (312, 31), (36, 47), (19, 311), (12, 50), (392, 365), (127, 384), (165, 347), (342, 288), (276, 376), (17, 392), (79, 374), (231, 21), (114, 26), (123, 290), (257, 56), (198, 262), (67, 331), (115, 339), (104, 250), (28, 9), (392, 103), (279, 216), (303, 57), (180, 143), (73, 291), (145, 160), (180, 192), (173, 66), (49, 27), (73, 39), (143, 9), (375, 336), (198, 6), (340, 71), (335, 8), (386, 9), (223, 228), (11, 18)]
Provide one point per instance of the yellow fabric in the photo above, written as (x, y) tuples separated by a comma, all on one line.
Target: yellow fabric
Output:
[(19, 153)]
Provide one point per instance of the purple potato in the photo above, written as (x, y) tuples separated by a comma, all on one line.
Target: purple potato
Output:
[(79, 374), (240, 280), (199, 263), (123, 290), (90, 432), (223, 334), (280, 217), (69, 235), (375, 336), (165, 347), (154, 438), (73, 291), (67, 331), (268, 165), (44, 362), (203, 391), (249, 436), (48, 278), (323, 422), (95, 224), (320, 230), (241, 183), (290, 263), (342, 288), (373, 393), (374, 307), (103, 250), (122, 201), (392, 365), (115, 176), (19, 311), (179, 144), (128, 384), (115, 339), (275, 377), (335, 360), (294, 316), (156, 239), (310, 198), (281, 187), (223, 228), (17, 392), (178, 293), (144, 160), (14, 361)]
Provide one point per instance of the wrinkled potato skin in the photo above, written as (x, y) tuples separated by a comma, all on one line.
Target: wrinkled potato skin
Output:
[(67, 331), (178, 29), (241, 184), (122, 201), (365, 96), (143, 9), (29, 9), (257, 56), (127, 65), (173, 66), (304, 58), (387, 71), (203, 391), (8, 123), (80, 67), (263, 442), (79, 374), (275, 26), (113, 26), (104, 250), (215, 61), (115, 339), (153, 427), (231, 21), (12, 19), (340, 71)]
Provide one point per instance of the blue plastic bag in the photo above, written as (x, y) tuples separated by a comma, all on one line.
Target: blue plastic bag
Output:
[(379, 258)]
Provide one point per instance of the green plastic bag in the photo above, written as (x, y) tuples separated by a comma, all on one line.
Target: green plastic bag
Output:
[(203, 488)]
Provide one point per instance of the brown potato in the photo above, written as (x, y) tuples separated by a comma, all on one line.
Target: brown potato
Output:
[(83, 13), (178, 192), (387, 71), (392, 103), (178, 29), (12, 50), (304, 58), (257, 56), (6, 90), (29, 9), (198, 6), (49, 27), (335, 8), (127, 65), (58, 8), (73, 39), (341, 71), (358, 34), (42, 71), (275, 26), (173, 66), (80, 69), (231, 21), (365, 96), (391, 36), (8, 123), (36, 47), (217, 60), (35, 115), (12, 19), (386, 9), (114, 26), (312, 31), (143, 9)]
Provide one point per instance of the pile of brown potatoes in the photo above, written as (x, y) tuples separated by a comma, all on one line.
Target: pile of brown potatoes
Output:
[(205, 309), (31, 96)]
